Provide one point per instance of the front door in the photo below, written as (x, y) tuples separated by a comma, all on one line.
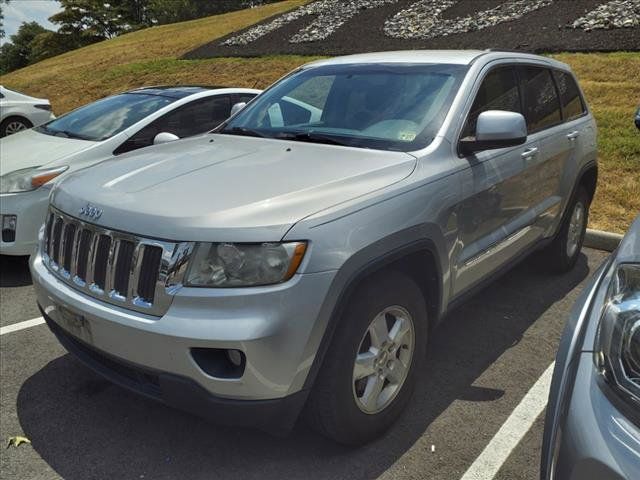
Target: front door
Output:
[(495, 220)]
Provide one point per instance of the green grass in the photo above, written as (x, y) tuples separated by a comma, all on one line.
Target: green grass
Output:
[(150, 57)]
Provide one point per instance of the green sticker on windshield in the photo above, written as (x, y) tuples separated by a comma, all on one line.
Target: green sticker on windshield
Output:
[(407, 136)]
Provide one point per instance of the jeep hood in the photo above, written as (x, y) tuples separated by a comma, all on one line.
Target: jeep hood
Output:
[(33, 149), (226, 188)]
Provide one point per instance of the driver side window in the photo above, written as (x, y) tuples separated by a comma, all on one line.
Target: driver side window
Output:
[(194, 118), (499, 91)]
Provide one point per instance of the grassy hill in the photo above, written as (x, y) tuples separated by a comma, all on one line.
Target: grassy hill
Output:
[(150, 57)]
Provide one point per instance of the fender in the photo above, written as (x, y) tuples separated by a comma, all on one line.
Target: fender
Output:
[(421, 238)]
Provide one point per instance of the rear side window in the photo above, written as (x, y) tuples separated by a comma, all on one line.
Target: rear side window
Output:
[(541, 103), (570, 98), (499, 91)]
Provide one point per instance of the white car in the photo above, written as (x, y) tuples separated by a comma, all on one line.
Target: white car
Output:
[(33, 160), (20, 112)]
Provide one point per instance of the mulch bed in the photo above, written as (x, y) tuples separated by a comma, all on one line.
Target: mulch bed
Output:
[(541, 31)]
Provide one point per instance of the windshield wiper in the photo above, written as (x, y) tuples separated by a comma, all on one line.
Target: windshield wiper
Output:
[(69, 134), (247, 132), (311, 137), (61, 133)]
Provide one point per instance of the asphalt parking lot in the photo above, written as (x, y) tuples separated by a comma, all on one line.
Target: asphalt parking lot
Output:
[(482, 362)]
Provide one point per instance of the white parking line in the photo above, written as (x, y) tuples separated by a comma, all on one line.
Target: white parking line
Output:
[(486, 466), (14, 327)]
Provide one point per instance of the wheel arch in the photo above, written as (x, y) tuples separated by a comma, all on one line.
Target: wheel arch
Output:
[(16, 116), (589, 179), (420, 258)]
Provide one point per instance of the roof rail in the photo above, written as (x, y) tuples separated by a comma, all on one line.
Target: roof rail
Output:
[(510, 50)]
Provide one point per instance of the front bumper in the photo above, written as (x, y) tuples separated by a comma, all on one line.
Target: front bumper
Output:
[(596, 440), (276, 416), (276, 327), (30, 209)]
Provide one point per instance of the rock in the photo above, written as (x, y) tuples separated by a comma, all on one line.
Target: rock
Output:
[(613, 14)]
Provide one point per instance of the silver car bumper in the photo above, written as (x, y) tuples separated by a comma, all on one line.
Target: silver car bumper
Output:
[(275, 327)]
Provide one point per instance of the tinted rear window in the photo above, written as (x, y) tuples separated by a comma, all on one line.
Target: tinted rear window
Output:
[(541, 104), (570, 98)]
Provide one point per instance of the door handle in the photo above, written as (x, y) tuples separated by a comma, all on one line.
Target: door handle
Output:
[(529, 153), (573, 135)]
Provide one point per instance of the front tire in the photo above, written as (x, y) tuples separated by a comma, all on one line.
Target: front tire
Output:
[(368, 373), (13, 125), (564, 251)]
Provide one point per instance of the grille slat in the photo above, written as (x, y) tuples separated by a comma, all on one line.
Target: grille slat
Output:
[(48, 234), (83, 254), (100, 263), (149, 273), (123, 269), (55, 240), (69, 237)]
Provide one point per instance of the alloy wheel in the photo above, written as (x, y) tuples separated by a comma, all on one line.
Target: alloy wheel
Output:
[(576, 226), (383, 360), (14, 127)]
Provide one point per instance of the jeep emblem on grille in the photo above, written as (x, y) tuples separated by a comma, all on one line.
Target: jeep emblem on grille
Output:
[(90, 211)]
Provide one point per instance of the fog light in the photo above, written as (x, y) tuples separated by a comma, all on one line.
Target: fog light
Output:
[(9, 223), (235, 357), (220, 362)]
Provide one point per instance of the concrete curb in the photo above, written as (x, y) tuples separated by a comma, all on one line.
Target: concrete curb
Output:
[(602, 240)]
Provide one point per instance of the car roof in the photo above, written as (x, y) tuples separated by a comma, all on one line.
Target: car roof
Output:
[(457, 57), (175, 91), (454, 57)]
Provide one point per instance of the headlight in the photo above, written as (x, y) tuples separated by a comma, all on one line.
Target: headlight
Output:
[(244, 265), (28, 179), (617, 353)]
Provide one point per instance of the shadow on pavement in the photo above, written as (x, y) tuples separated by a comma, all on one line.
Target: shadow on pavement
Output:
[(84, 427), (14, 271)]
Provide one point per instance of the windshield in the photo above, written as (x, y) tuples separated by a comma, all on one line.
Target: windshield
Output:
[(105, 118), (380, 106)]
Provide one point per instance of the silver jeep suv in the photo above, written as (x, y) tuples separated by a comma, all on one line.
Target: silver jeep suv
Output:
[(297, 258)]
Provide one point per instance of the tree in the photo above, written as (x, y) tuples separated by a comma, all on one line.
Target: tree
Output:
[(93, 18), (16, 54), (2, 18), (49, 44), (171, 11)]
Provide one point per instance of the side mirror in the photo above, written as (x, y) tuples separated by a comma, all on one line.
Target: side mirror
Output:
[(496, 129), (164, 137), (237, 107)]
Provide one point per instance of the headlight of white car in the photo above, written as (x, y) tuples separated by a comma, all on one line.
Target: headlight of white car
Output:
[(28, 179), (244, 264), (617, 353)]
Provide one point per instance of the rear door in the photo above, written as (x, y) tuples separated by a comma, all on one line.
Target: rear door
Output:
[(556, 144), (495, 219), (578, 130)]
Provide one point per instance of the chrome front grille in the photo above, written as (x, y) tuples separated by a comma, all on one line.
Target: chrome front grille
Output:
[(133, 272)]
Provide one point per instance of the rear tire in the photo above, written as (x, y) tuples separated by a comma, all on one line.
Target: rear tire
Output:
[(13, 125), (368, 376), (562, 254)]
